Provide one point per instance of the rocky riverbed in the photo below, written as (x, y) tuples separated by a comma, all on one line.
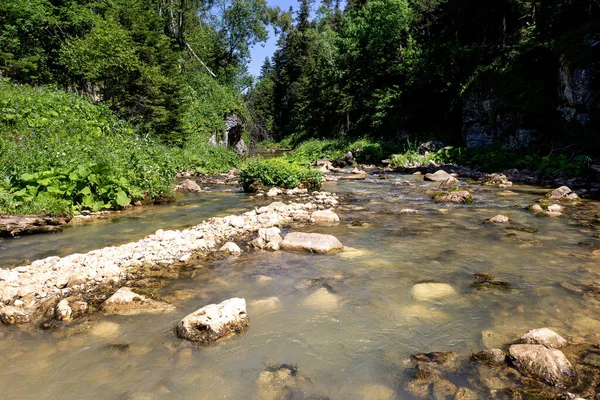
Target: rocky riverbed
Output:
[(423, 299), (30, 292)]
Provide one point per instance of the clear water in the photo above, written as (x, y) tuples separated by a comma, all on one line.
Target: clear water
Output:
[(360, 331)]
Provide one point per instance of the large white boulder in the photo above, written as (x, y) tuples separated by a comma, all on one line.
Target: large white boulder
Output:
[(311, 242), (214, 321), (325, 217)]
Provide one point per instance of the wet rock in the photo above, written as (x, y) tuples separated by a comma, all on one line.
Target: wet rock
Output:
[(353, 177), (466, 394), (436, 357), (497, 180), (105, 329), (325, 217), (270, 304), (280, 382), (427, 384), (431, 291), (322, 299), (491, 339), (542, 363), (10, 315), (545, 337), (438, 176), (457, 197), (126, 302), (231, 248), (63, 310), (377, 392), (562, 193), (570, 287), (214, 321), (490, 356), (486, 281), (311, 242), (189, 186), (521, 228), (409, 211), (452, 181), (499, 219)]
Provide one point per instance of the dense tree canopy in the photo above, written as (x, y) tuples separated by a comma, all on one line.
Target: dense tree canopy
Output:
[(152, 61), (388, 68)]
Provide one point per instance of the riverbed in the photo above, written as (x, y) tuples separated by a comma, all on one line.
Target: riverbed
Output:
[(346, 320)]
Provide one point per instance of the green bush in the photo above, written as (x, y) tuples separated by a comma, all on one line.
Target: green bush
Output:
[(204, 158), (278, 172), (60, 152)]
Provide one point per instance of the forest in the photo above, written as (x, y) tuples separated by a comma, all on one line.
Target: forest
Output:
[(102, 102)]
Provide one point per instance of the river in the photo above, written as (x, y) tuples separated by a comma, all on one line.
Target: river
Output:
[(347, 320)]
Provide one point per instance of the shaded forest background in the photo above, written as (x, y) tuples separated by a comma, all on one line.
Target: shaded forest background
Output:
[(518, 74)]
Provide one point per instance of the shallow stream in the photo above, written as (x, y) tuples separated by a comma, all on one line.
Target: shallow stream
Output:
[(347, 320)]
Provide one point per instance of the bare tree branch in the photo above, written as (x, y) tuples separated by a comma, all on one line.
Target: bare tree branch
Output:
[(187, 46)]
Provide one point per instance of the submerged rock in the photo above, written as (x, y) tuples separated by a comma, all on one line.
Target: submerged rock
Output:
[(542, 363), (377, 392), (322, 299), (311, 242), (458, 197), (126, 302), (544, 336), (431, 291), (486, 281), (214, 321), (436, 357), (491, 356), (280, 382)]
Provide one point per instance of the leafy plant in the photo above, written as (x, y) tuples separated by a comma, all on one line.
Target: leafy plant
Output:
[(278, 172)]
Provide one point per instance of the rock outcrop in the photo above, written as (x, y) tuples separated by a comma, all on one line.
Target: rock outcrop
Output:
[(214, 321)]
